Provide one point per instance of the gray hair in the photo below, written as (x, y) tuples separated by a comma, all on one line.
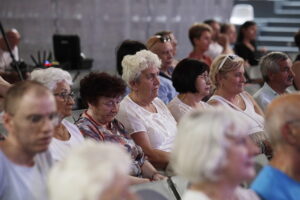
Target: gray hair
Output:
[(51, 76), (133, 65), (281, 110), (88, 171), (207, 132), (270, 63)]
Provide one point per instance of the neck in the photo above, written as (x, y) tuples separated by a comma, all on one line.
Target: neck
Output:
[(96, 119), (61, 133), (191, 99), (199, 51), (277, 87), (140, 100), (287, 160), (216, 190), (15, 153)]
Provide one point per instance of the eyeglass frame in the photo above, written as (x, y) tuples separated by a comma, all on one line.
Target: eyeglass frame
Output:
[(65, 96)]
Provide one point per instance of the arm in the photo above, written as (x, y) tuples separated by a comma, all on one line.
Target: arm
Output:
[(158, 158), (136, 180), (150, 172)]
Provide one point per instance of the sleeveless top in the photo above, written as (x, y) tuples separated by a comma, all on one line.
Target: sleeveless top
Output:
[(254, 120)]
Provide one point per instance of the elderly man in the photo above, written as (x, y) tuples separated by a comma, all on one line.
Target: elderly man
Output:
[(29, 118), (162, 47), (280, 180), (13, 37), (276, 69)]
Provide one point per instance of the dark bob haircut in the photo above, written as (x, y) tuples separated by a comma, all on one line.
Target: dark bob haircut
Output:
[(185, 75), (96, 85), (127, 47), (243, 27)]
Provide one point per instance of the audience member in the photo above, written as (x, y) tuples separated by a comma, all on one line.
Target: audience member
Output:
[(221, 159), (246, 44), (13, 37), (229, 31), (219, 42), (200, 37), (29, 118), (162, 47), (190, 79), (280, 180), (145, 117), (66, 134), (276, 69), (227, 76), (92, 171), (296, 64), (103, 94)]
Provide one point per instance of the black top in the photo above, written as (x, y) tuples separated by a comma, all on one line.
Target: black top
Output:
[(247, 54)]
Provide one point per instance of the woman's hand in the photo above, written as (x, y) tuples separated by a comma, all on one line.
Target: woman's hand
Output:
[(157, 176)]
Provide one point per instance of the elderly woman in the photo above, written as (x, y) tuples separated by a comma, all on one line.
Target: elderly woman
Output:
[(85, 174), (103, 94), (190, 79), (145, 117), (222, 155), (66, 134), (227, 76)]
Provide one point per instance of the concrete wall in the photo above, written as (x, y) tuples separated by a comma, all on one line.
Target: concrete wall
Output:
[(103, 24)]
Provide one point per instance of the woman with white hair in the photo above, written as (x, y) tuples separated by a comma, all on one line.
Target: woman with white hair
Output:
[(86, 175), (227, 78), (145, 116), (222, 155), (66, 134)]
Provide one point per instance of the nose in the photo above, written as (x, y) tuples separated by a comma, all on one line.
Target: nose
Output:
[(70, 100), (291, 73), (243, 79), (47, 126), (156, 80)]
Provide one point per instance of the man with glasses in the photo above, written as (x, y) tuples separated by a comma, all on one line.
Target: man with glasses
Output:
[(280, 180), (29, 118), (276, 69)]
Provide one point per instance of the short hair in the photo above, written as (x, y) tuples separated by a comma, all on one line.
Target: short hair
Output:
[(51, 76), (270, 63), (231, 63), (210, 21), (297, 39), (88, 170), (207, 132), (185, 75), (244, 26), (225, 27), (196, 31), (95, 85), (15, 94), (283, 109), (127, 47), (133, 65)]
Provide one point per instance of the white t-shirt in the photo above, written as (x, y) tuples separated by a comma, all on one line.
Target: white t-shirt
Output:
[(214, 50), (22, 183), (59, 148), (160, 126), (5, 58), (178, 108)]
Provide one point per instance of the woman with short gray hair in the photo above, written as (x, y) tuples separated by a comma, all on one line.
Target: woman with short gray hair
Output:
[(145, 117), (221, 158), (66, 134)]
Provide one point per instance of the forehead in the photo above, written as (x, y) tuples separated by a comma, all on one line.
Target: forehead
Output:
[(205, 34), (164, 46), (285, 63), (36, 103), (62, 86), (150, 70)]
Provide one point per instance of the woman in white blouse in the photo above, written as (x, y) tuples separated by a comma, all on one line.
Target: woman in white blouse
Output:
[(221, 157), (190, 79), (145, 116), (66, 134)]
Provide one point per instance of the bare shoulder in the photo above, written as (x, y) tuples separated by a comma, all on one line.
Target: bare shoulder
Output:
[(214, 102)]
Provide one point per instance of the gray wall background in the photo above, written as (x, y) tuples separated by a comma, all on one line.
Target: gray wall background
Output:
[(103, 24)]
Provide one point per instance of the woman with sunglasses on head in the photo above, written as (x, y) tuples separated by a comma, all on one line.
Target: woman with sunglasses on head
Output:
[(190, 79), (103, 94), (227, 77), (66, 134)]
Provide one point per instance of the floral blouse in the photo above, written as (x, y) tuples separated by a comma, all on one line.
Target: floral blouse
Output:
[(114, 133)]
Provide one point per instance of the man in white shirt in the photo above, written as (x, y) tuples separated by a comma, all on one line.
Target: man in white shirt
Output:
[(29, 118), (13, 38), (276, 69)]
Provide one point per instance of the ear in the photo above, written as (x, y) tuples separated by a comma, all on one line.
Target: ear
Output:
[(271, 76), (7, 122), (287, 132), (133, 85)]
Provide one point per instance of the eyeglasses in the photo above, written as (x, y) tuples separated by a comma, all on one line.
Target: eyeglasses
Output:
[(65, 96), (230, 56), (162, 39), (38, 118)]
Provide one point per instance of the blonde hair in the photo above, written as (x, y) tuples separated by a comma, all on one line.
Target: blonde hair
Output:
[(222, 64)]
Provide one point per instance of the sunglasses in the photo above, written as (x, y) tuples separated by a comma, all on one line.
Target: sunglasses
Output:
[(162, 39), (230, 56)]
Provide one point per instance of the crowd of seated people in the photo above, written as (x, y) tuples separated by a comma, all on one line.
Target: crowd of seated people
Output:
[(162, 116)]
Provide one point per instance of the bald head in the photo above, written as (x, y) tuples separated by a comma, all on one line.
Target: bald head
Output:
[(281, 111)]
